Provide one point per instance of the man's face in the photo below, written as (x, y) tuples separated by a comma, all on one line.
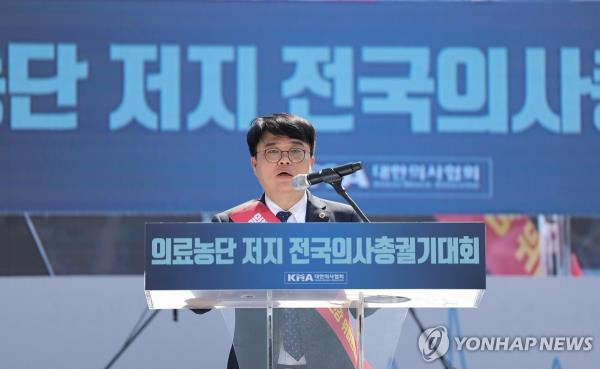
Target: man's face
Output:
[(276, 178)]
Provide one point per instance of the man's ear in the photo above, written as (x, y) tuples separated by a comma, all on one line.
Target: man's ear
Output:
[(253, 163), (312, 162)]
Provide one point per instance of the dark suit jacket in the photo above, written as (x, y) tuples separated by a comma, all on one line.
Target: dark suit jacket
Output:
[(317, 210), (322, 348)]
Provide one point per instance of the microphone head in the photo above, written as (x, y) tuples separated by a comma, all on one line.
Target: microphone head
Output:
[(300, 182)]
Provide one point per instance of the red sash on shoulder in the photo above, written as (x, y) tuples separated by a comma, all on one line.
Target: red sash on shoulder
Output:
[(338, 319), (252, 211)]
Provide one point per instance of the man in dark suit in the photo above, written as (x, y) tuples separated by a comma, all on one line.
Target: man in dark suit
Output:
[(282, 146)]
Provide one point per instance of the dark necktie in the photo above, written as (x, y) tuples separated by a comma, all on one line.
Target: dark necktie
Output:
[(283, 216), (292, 342)]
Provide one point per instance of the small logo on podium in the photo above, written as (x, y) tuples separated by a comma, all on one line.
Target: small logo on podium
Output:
[(315, 277)]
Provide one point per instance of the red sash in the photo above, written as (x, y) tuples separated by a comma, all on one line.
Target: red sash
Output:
[(252, 211), (339, 322), (338, 319)]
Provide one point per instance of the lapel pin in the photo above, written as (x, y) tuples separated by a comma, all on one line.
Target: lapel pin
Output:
[(322, 215)]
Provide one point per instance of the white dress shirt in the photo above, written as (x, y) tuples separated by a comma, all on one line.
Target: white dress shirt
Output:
[(298, 210)]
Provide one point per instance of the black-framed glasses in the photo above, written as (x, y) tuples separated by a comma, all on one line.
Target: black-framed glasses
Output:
[(273, 155)]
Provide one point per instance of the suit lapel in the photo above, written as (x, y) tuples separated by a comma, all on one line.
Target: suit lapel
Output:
[(316, 210)]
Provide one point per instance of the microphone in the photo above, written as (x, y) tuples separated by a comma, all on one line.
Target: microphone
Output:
[(303, 181)]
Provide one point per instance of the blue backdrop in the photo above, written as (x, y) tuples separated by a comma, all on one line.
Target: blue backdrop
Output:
[(143, 106)]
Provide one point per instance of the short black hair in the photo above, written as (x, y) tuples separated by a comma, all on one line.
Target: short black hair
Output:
[(281, 124)]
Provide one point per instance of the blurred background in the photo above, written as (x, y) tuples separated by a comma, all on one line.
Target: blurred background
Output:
[(118, 113)]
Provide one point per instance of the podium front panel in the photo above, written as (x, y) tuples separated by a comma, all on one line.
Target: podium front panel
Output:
[(208, 265)]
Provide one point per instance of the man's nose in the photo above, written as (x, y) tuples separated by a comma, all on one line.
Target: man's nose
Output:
[(285, 158)]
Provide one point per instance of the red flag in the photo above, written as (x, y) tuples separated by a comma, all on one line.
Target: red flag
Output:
[(512, 243)]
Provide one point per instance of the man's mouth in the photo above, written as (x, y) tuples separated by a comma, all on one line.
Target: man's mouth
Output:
[(284, 174)]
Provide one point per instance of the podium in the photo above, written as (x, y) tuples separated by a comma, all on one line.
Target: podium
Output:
[(323, 282)]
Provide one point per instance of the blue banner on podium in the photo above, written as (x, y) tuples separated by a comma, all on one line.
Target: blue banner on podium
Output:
[(315, 256)]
